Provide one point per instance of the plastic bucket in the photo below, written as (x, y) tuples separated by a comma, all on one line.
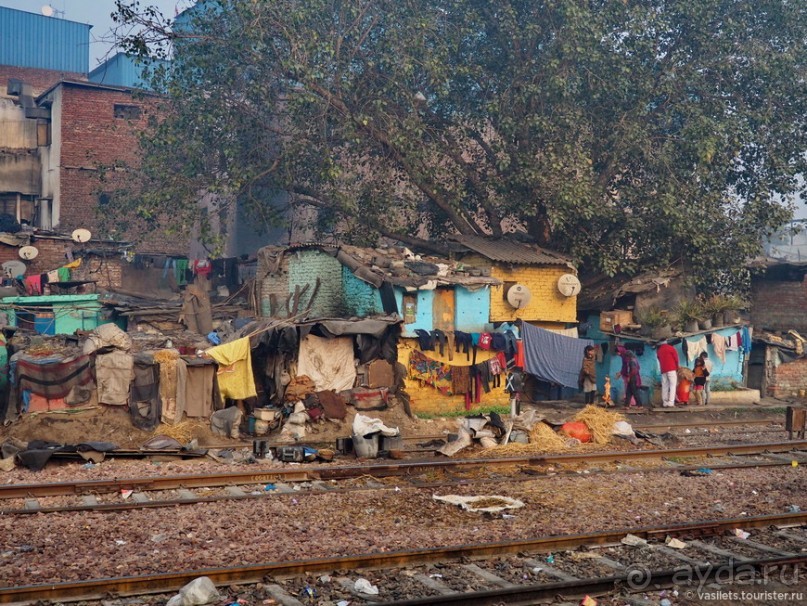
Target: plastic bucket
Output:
[(365, 448), (391, 442)]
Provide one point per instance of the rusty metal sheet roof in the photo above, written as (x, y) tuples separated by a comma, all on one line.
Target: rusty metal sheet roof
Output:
[(509, 251)]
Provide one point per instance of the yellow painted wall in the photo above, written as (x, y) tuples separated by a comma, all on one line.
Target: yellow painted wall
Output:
[(427, 399), (546, 304)]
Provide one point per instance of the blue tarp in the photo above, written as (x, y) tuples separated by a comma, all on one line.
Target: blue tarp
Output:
[(552, 357)]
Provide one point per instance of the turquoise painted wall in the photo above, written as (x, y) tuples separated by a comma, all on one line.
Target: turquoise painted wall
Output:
[(305, 266), (424, 316), (361, 298), (69, 312), (472, 312), (724, 374)]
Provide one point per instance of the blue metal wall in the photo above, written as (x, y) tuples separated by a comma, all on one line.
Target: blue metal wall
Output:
[(123, 70), (32, 40)]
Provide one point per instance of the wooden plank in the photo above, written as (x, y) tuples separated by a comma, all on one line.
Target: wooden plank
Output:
[(443, 309), (487, 576), (434, 584)]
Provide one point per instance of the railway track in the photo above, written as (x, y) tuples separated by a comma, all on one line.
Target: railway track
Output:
[(169, 491), (514, 572)]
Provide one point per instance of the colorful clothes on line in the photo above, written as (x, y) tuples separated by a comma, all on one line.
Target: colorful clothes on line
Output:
[(430, 371)]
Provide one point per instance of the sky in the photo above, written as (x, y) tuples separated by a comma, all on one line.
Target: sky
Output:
[(96, 13)]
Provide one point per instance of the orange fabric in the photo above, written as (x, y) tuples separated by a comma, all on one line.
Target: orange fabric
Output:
[(519, 359), (577, 429)]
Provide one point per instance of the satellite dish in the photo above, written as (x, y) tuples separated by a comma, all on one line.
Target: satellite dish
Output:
[(81, 235), (569, 285), (12, 269), (518, 296), (28, 252), (47, 10)]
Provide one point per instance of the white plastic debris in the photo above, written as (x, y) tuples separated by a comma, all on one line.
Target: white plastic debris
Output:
[(364, 586), (343, 603), (675, 543), (741, 534), (488, 503), (624, 429), (365, 425), (633, 540)]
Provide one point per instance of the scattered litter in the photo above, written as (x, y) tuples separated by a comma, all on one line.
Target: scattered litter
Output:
[(633, 540), (738, 532), (793, 509), (120, 542), (537, 570), (550, 559), (269, 487), (125, 494), (665, 602), (675, 543), (436, 576), (325, 579), (588, 601), (794, 463), (364, 586), (88, 465), (754, 492), (199, 591), (695, 473), (486, 504), (507, 516), (343, 603), (309, 592), (687, 431)]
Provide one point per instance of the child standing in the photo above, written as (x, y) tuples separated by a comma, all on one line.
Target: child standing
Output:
[(701, 374)]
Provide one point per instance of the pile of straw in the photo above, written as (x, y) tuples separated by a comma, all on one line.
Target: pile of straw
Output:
[(600, 422), (543, 436), (182, 432)]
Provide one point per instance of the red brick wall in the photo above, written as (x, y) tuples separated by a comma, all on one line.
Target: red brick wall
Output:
[(91, 138), (779, 305), (107, 271), (39, 79), (786, 380)]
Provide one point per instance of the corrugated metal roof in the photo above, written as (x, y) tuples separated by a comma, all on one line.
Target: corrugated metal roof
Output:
[(123, 70), (509, 251), (32, 40)]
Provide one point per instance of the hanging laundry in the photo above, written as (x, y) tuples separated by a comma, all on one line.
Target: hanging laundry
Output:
[(73, 264), (33, 285), (552, 357), (719, 345), (202, 267), (460, 379), (180, 271), (694, 347), (235, 369), (425, 340), (64, 273), (431, 372), (53, 276), (485, 340), (745, 335)]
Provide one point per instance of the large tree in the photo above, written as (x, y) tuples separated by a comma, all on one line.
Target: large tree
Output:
[(628, 133)]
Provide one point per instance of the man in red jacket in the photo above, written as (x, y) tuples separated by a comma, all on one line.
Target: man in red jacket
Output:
[(668, 360)]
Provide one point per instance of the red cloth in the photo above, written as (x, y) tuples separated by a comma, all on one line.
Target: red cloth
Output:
[(33, 284), (667, 357), (520, 354)]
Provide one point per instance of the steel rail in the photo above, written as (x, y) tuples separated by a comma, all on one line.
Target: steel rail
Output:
[(528, 595), (156, 504), (400, 468), (167, 582)]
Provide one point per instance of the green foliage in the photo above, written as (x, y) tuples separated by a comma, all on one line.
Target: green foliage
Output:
[(628, 134), (688, 310), (653, 317)]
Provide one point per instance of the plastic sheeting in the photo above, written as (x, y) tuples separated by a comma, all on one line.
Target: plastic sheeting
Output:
[(327, 362)]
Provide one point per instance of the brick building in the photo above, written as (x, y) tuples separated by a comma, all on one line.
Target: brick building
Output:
[(66, 140)]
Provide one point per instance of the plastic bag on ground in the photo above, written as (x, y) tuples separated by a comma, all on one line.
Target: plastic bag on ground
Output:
[(485, 503), (364, 586), (365, 425)]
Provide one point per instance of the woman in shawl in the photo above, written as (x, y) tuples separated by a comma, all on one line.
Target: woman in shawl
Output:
[(588, 375), (631, 375)]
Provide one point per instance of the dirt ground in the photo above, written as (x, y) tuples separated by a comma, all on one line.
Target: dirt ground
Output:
[(112, 424)]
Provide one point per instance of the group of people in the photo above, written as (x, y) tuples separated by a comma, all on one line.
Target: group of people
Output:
[(631, 375)]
